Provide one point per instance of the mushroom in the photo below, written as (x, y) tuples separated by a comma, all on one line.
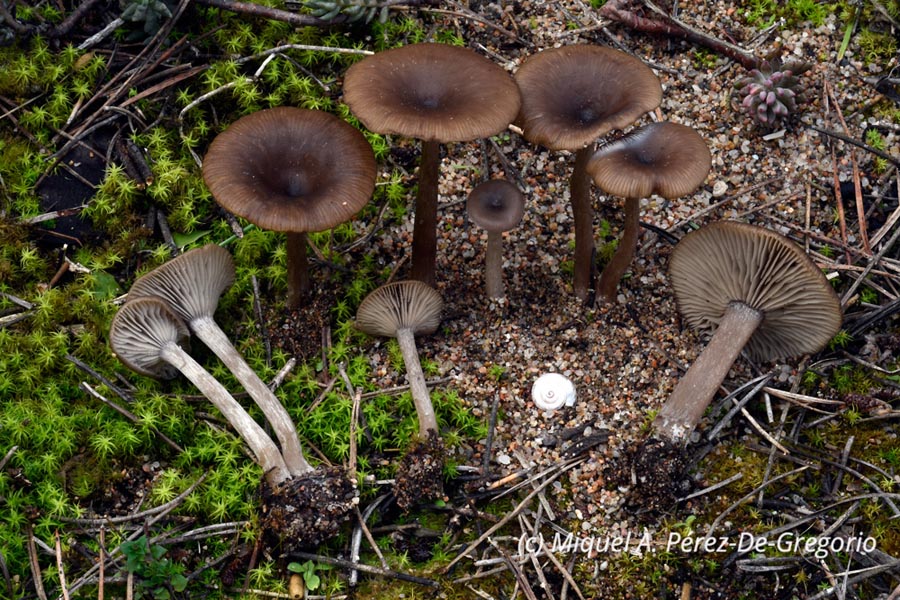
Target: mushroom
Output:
[(438, 94), (293, 170), (147, 336), (497, 206), (570, 97), (758, 292), (403, 310), (666, 159), (191, 284)]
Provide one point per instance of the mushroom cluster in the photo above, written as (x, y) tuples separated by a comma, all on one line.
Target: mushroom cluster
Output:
[(149, 335)]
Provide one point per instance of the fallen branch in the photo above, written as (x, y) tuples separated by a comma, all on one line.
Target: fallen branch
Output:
[(628, 13)]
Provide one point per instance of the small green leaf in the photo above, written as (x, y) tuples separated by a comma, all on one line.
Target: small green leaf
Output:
[(105, 285), (312, 581), (183, 239)]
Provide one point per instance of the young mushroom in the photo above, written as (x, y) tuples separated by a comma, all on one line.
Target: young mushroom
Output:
[(497, 206), (571, 96), (403, 310), (756, 291), (666, 159), (147, 336), (293, 170), (191, 284), (438, 94)]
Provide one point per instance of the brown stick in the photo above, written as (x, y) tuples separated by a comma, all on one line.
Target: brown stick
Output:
[(626, 13)]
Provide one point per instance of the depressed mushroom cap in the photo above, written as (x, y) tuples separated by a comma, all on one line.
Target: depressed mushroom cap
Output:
[(139, 331), (727, 262), (190, 283), (432, 92), (291, 169), (665, 158), (573, 95), (496, 205), (409, 304)]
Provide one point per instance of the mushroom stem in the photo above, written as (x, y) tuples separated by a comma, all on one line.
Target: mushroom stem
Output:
[(583, 215), (424, 246), (420, 395), (684, 408), (493, 265), (297, 269), (274, 411), (621, 260), (262, 446)]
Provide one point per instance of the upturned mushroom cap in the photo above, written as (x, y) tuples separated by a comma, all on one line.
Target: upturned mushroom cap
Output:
[(575, 94), (431, 92), (191, 283), (291, 169), (138, 332), (409, 305), (727, 262), (665, 158), (496, 205)]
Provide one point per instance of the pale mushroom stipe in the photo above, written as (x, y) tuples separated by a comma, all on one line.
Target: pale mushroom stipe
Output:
[(755, 290)]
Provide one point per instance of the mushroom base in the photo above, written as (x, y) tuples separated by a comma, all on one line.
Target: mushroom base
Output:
[(304, 511), (420, 474), (655, 474)]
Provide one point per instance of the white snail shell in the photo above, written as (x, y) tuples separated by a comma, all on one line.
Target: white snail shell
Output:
[(552, 391)]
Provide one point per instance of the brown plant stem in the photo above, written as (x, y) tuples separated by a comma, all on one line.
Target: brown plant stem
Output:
[(627, 12), (609, 280), (583, 215), (424, 246)]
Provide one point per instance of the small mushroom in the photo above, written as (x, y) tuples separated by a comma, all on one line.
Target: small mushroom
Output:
[(147, 336), (435, 93), (571, 96), (403, 310), (293, 170), (191, 284), (497, 206), (666, 159), (756, 291)]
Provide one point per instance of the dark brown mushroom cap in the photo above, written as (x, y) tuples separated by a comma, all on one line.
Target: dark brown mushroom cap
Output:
[(431, 92), (291, 169), (575, 94), (497, 205), (400, 305), (138, 332), (727, 262), (664, 158), (191, 283)]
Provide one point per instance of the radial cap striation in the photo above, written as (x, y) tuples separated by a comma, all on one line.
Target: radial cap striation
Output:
[(665, 158), (291, 169), (727, 262), (432, 92), (409, 305), (191, 283), (573, 95), (139, 331)]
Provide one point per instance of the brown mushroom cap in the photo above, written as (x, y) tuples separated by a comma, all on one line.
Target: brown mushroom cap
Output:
[(664, 158), (398, 305), (727, 262), (575, 94), (496, 205), (191, 283), (291, 169), (432, 92), (139, 331)]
